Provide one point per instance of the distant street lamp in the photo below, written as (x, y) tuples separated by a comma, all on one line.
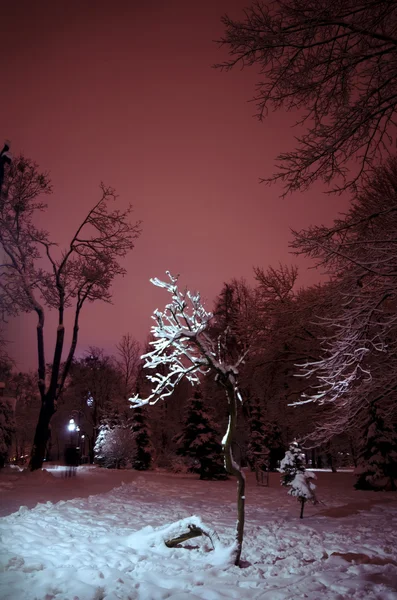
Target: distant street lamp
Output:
[(73, 427), (90, 400)]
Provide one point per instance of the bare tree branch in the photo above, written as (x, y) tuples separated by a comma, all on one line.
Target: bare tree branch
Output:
[(337, 62)]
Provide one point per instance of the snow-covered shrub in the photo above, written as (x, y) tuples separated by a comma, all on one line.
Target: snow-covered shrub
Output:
[(377, 460), (114, 446), (294, 475), (7, 428)]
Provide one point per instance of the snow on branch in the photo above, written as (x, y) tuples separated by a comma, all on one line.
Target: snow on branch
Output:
[(180, 344)]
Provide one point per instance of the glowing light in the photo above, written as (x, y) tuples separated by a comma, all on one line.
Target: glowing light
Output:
[(71, 425)]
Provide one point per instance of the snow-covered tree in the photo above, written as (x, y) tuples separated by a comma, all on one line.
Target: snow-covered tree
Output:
[(182, 345), (377, 460), (294, 474), (114, 446), (143, 449), (7, 429), (359, 253), (200, 439)]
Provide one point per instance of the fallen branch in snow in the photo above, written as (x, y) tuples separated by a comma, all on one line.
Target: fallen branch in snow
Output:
[(193, 532)]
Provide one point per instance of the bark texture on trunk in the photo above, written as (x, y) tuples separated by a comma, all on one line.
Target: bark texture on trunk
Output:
[(234, 469), (42, 435)]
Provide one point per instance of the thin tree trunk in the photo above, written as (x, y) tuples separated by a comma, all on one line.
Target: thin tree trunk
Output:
[(302, 507), (234, 469), (16, 445), (330, 458), (353, 451)]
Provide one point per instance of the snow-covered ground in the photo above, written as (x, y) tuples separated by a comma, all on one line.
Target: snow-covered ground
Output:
[(87, 541)]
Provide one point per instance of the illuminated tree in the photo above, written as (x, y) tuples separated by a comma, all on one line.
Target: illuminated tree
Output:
[(114, 446), (359, 252), (335, 62), (182, 345), (82, 273)]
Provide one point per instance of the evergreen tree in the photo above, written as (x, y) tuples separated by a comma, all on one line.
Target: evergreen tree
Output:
[(294, 474), (144, 451), (7, 429), (377, 460), (200, 439), (258, 450)]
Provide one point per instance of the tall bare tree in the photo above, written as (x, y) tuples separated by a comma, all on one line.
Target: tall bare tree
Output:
[(128, 359), (335, 62), (82, 273)]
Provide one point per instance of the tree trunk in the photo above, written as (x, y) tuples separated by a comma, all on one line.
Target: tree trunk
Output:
[(233, 468), (353, 451), (42, 435), (302, 500), (17, 451)]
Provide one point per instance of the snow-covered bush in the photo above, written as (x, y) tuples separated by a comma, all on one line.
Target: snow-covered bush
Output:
[(294, 475), (114, 446)]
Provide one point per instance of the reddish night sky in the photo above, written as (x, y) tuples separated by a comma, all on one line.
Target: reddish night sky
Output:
[(124, 92)]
